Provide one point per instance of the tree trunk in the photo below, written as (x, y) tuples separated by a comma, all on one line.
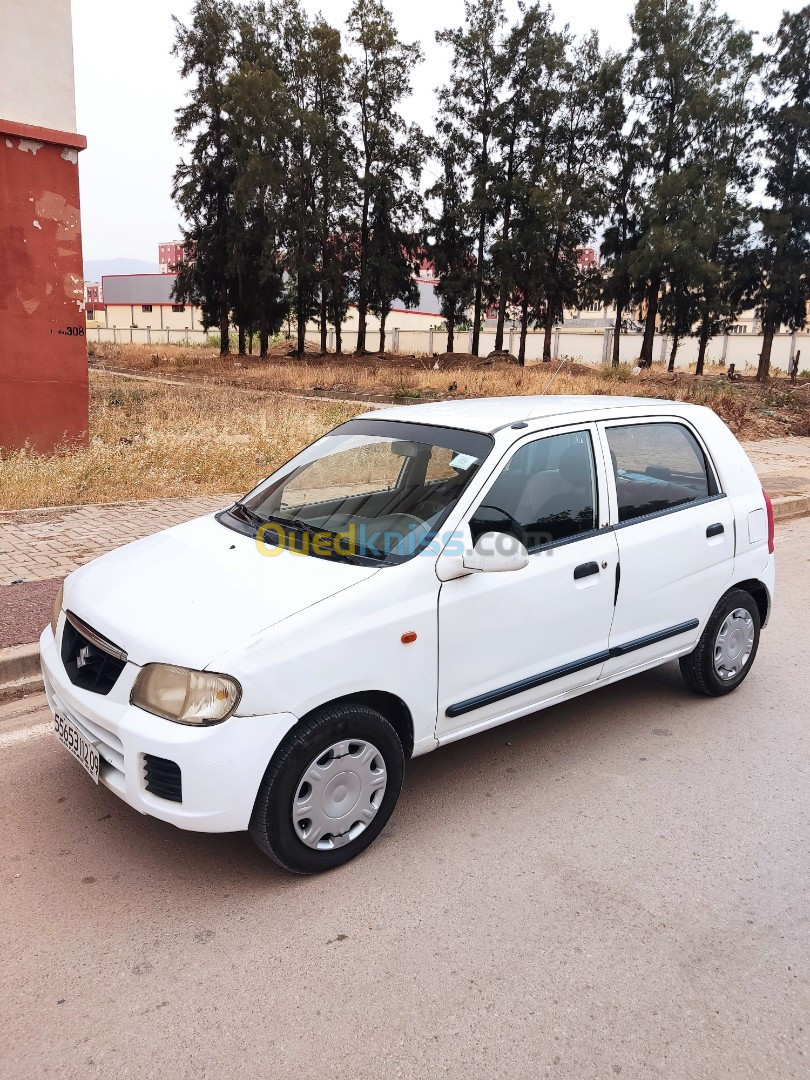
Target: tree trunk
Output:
[(324, 319), (524, 327), (479, 285), (264, 337), (673, 351), (549, 326), (242, 341), (301, 319), (338, 339), (506, 278), (250, 343), (224, 326), (451, 333), (763, 370), (362, 281), (645, 358), (617, 331), (382, 333), (703, 342)]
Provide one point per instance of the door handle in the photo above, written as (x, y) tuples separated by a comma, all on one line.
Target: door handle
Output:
[(715, 530), (585, 570)]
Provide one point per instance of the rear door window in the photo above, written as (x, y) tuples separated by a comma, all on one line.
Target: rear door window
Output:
[(657, 467)]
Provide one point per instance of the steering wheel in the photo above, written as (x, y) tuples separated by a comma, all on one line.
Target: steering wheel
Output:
[(520, 532)]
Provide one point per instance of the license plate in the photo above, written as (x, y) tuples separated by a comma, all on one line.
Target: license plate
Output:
[(73, 740)]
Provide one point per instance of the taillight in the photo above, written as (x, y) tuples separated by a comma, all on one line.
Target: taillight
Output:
[(769, 512)]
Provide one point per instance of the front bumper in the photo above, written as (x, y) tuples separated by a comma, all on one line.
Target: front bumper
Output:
[(221, 766)]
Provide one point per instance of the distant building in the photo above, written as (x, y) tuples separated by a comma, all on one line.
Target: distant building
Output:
[(43, 358), (170, 256), (587, 258), (145, 301)]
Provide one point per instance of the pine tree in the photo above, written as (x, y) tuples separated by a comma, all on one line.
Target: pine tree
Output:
[(529, 64), (452, 230), (259, 124), (379, 82), (782, 288), (621, 233), (203, 182), (303, 232), (722, 214), (673, 81), (392, 255), (334, 162), (469, 103), (571, 187)]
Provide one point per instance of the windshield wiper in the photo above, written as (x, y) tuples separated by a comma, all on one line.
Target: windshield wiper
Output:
[(247, 514)]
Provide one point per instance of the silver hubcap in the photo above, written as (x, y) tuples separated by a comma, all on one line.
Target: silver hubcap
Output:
[(339, 794), (733, 644)]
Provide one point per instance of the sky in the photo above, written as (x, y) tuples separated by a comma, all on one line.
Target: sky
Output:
[(127, 88)]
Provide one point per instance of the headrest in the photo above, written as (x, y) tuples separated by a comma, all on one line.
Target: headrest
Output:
[(575, 465)]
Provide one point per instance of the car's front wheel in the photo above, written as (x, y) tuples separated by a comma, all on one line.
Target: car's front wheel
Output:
[(331, 787), (725, 652)]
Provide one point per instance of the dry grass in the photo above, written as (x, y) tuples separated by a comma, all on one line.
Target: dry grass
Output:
[(155, 441), (750, 410), (223, 429)]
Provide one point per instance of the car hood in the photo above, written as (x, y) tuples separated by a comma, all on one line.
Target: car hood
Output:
[(186, 595)]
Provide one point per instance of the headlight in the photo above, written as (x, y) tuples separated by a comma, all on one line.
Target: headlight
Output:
[(185, 696), (57, 609)]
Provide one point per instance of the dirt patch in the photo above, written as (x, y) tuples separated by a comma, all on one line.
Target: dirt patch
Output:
[(26, 610)]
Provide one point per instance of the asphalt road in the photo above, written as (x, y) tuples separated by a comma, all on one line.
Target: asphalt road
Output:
[(615, 887)]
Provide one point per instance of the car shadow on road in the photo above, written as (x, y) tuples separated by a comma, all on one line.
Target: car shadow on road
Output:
[(116, 844)]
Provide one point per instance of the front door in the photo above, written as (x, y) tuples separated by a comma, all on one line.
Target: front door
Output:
[(511, 641)]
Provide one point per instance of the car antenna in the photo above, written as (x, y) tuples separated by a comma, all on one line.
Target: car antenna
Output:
[(524, 423)]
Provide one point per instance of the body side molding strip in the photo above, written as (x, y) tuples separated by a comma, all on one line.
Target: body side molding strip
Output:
[(520, 687)]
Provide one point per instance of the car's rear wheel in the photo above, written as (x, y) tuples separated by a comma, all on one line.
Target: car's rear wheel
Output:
[(727, 647), (329, 790)]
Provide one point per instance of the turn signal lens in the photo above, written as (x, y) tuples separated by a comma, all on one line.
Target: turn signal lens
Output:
[(185, 696), (769, 512), (57, 609)]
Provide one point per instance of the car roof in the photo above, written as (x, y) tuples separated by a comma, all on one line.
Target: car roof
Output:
[(491, 414)]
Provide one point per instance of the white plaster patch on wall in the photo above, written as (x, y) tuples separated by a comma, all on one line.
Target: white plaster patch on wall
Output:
[(29, 305), (71, 155), (54, 207), (30, 146), (48, 289), (9, 144), (74, 287), (37, 224)]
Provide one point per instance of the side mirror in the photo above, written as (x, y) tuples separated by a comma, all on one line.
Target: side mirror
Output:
[(496, 553)]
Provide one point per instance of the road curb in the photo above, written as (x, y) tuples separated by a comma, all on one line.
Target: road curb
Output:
[(790, 506), (20, 672)]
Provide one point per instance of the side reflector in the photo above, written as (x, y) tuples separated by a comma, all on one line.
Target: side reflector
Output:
[(769, 512), (408, 638)]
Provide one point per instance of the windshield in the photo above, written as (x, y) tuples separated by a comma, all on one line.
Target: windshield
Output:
[(370, 491)]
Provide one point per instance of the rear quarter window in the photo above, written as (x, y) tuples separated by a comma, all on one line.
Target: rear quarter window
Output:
[(657, 467)]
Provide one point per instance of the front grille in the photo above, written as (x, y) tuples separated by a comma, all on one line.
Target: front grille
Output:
[(91, 662), (163, 777)]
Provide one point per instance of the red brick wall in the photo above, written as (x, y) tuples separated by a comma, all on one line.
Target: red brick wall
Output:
[(43, 350)]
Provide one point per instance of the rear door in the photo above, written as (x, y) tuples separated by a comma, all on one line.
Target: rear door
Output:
[(675, 531)]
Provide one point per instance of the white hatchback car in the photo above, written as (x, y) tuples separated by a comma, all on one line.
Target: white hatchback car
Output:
[(415, 576)]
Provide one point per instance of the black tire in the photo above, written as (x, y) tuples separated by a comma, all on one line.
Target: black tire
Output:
[(698, 668), (271, 824)]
